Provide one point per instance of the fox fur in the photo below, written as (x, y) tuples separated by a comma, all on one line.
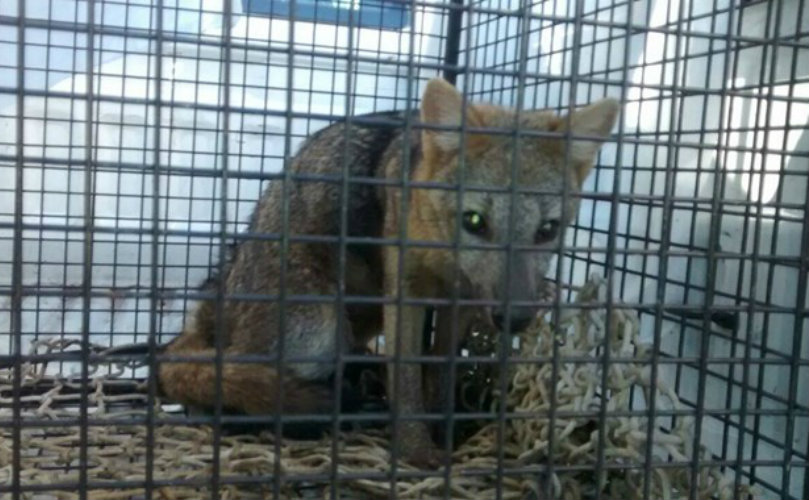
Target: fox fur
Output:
[(373, 269)]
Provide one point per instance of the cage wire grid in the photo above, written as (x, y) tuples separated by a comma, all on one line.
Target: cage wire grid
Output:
[(137, 137)]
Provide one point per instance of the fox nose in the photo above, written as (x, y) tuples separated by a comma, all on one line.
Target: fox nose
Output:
[(517, 323)]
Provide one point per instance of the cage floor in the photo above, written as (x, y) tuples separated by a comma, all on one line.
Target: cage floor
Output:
[(116, 457)]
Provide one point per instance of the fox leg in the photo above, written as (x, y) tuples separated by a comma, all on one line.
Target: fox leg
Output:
[(250, 388), (436, 375), (407, 395), (449, 333)]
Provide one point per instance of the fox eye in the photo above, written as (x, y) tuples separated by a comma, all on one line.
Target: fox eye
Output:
[(548, 231), (474, 222)]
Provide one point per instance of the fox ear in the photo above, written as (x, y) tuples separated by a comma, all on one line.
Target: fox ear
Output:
[(442, 104), (596, 121)]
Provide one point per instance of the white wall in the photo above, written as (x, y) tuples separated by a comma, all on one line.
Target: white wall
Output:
[(191, 142)]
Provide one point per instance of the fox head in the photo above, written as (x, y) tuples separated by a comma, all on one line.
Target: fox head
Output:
[(543, 164)]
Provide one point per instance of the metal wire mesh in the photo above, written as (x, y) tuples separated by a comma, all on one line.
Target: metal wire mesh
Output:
[(136, 137)]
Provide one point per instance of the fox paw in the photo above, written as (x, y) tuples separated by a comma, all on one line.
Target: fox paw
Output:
[(426, 457), (416, 447)]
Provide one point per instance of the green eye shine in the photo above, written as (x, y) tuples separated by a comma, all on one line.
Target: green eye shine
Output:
[(474, 222)]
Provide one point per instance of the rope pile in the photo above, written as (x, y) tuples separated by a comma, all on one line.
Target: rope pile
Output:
[(182, 455)]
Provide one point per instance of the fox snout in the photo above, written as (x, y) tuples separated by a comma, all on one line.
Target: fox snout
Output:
[(523, 287)]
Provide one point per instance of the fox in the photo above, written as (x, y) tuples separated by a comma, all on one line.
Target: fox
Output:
[(381, 216)]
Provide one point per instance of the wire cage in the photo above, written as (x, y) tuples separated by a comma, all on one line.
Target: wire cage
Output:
[(670, 359)]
